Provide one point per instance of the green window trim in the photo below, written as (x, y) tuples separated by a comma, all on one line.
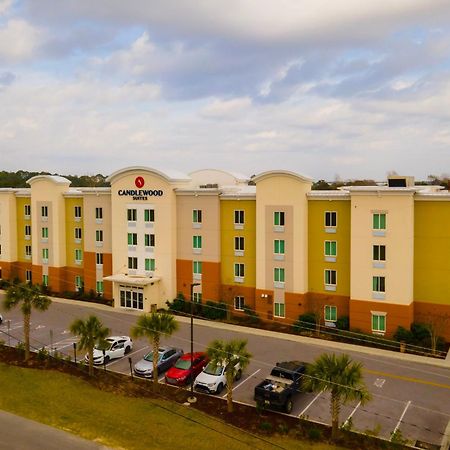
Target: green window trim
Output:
[(45, 253), (44, 280), (378, 284), (149, 215), (197, 267), (149, 264), (330, 277), (78, 255), (197, 216), (239, 270), (197, 242), (278, 218), (330, 248), (379, 322), (330, 313), (278, 246), (99, 287), (379, 221), (44, 232), (278, 274), (132, 238), (279, 310)]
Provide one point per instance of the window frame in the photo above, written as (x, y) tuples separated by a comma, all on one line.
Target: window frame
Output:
[(378, 316), (281, 309), (280, 217), (149, 264), (149, 215), (197, 216), (239, 302), (131, 214), (133, 263), (329, 309), (77, 213), (281, 243)]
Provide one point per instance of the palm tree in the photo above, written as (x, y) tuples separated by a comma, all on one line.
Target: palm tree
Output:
[(153, 326), (91, 333), (29, 297), (340, 376), (234, 356)]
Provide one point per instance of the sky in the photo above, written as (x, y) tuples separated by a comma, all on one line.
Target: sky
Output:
[(329, 89)]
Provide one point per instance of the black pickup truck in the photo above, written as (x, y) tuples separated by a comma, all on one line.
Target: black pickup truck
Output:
[(277, 390)]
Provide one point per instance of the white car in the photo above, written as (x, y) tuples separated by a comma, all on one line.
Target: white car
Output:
[(116, 347), (213, 380), (1, 319)]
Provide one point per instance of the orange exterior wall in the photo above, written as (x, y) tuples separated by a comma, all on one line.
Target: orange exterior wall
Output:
[(56, 279), (229, 291), (437, 313), (210, 281), (396, 315), (264, 306), (89, 277), (184, 277), (107, 270), (319, 301), (36, 274), (18, 268), (6, 270)]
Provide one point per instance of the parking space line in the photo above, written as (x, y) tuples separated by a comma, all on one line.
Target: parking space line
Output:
[(310, 403), (243, 381), (401, 417), (353, 412)]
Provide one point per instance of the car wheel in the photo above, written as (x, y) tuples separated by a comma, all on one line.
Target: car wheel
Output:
[(106, 360), (238, 375), (127, 349), (219, 388), (289, 405)]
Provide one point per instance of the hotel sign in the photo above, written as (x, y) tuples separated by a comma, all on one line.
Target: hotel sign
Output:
[(140, 194)]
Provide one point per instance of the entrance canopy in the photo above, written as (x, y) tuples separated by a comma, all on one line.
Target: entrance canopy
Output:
[(133, 280)]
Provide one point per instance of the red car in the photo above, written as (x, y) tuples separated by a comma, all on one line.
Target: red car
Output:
[(181, 373)]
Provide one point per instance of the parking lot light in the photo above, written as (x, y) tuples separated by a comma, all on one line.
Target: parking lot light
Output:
[(131, 368), (192, 398), (75, 352)]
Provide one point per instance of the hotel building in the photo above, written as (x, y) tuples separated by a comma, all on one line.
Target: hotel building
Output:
[(377, 254)]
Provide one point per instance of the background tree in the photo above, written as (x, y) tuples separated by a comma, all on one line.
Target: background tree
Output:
[(234, 356), (153, 326), (436, 324), (91, 332), (29, 297), (340, 376)]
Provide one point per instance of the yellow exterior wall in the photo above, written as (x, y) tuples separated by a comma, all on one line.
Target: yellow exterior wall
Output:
[(71, 224), (431, 252), (316, 245), (21, 222), (228, 233)]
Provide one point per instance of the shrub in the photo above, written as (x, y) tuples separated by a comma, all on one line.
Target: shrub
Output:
[(404, 335), (251, 315), (265, 426), (343, 323), (214, 310), (282, 428), (179, 304), (42, 354), (314, 434), (305, 322)]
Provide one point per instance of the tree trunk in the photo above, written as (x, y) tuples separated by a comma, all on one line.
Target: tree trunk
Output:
[(91, 361), (26, 334), (155, 364), (230, 377), (335, 407)]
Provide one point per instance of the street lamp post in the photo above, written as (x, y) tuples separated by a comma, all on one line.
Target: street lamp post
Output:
[(192, 399)]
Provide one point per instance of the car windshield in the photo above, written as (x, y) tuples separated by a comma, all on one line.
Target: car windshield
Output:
[(211, 370), (183, 364), (149, 357), (103, 345)]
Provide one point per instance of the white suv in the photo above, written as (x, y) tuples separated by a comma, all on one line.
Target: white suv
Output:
[(213, 380)]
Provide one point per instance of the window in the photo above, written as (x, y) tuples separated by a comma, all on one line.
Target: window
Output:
[(99, 235), (197, 216), (239, 218), (28, 276), (197, 297), (78, 283), (27, 211), (77, 212), (278, 246), (239, 303), (27, 231), (330, 280), (330, 219), (278, 275), (197, 242), (149, 215), (379, 253), (149, 264), (239, 243), (132, 262), (279, 310), (239, 271), (330, 313), (99, 287), (132, 238), (45, 255), (278, 218), (78, 234), (78, 256), (379, 221), (378, 284), (44, 280), (197, 267), (27, 250), (131, 215), (44, 233), (330, 250), (379, 322), (99, 259), (131, 297), (149, 240), (99, 213), (44, 211)]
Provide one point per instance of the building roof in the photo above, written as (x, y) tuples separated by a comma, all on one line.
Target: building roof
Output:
[(53, 178), (288, 173), (172, 176)]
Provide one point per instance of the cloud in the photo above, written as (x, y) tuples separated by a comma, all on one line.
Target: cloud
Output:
[(226, 109), (19, 40)]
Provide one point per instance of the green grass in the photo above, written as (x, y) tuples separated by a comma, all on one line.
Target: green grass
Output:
[(73, 405)]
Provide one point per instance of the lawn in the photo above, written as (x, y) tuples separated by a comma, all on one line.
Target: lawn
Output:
[(71, 404)]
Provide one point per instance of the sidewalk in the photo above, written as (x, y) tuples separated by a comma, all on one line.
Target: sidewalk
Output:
[(328, 345)]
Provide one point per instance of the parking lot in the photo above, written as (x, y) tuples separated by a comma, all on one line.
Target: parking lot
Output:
[(420, 410)]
